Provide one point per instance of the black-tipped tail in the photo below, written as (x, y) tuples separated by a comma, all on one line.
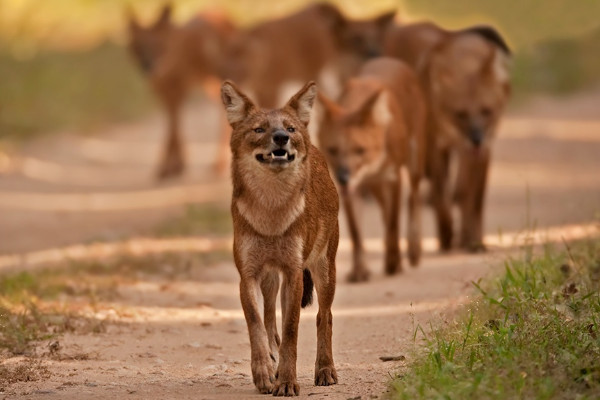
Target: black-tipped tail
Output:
[(307, 292)]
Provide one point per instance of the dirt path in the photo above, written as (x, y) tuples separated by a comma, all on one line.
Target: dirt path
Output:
[(183, 335)]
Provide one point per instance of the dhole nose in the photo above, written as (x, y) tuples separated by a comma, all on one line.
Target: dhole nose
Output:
[(281, 138), (343, 175), (476, 136)]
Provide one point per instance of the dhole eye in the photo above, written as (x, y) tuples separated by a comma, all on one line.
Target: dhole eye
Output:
[(332, 151), (359, 150), (486, 112), (259, 130), (291, 129)]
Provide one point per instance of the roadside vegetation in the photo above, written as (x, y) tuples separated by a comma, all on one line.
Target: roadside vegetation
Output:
[(61, 74), (37, 307), (532, 333)]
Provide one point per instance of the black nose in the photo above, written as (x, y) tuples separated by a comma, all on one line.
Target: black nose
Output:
[(476, 136), (343, 175), (281, 138)]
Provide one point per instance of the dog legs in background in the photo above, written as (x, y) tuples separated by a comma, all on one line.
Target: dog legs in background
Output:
[(473, 168)]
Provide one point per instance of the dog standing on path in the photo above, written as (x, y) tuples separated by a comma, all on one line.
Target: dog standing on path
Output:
[(378, 128), (466, 79), (284, 210)]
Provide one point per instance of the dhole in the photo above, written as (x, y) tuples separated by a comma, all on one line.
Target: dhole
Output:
[(466, 80), (284, 210), (176, 58), (315, 43), (378, 127)]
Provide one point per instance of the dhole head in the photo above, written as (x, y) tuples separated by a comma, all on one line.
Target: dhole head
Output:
[(353, 140), (363, 37), (147, 44), (470, 86), (271, 139)]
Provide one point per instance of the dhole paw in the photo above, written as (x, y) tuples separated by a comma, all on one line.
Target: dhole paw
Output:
[(286, 389), (393, 266), (263, 377), (326, 376), (358, 275), (414, 257)]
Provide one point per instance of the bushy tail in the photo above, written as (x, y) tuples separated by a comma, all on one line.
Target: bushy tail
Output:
[(307, 292)]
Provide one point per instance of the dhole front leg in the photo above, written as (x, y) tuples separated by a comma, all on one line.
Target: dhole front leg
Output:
[(414, 221), (441, 198), (325, 373), (261, 363), (474, 168), (286, 383), (269, 287), (388, 196), (359, 272)]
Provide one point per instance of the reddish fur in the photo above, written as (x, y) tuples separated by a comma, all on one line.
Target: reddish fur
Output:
[(465, 77), (354, 141), (285, 221)]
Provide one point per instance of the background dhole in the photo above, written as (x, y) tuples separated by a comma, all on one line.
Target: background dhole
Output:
[(378, 128)]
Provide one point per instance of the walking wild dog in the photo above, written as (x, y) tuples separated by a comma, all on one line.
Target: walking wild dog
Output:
[(466, 81), (175, 59), (378, 127), (284, 210)]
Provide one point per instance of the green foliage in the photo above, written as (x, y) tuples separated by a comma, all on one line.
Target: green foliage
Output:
[(70, 90), (534, 333)]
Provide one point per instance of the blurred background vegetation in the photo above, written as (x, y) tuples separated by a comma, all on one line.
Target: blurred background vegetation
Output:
[(63, 64)]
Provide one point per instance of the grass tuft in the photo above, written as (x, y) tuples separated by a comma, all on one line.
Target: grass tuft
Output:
[(533, 333)]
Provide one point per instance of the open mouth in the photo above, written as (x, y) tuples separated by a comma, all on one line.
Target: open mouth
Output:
[(276, 156)]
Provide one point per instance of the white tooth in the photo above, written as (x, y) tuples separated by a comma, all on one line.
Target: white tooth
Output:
[(272, 155)]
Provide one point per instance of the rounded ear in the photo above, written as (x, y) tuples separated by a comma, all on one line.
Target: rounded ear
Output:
[(383, 20), (237, 105), (164, 19), (131, 19), (301, 103), (334, 19)]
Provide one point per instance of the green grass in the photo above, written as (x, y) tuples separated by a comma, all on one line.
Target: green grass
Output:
[(533, 333), (78, 91)]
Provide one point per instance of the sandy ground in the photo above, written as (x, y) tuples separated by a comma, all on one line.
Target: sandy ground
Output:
[(185, 337)]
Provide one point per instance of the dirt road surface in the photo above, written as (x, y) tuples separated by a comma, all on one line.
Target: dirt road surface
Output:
[(173, 336)]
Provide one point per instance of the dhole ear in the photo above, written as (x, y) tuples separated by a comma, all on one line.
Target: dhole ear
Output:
[(132, 22), (237, 105), (301, 103), (330, 107), (376, 108), (383, 20), (164, 19)]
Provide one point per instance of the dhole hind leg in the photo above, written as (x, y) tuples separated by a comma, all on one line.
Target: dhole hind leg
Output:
[(473, 167), (414, 221), (172, 163), (269, 287), (441, 198), (324, 279), (359, 272), (287, 383), (388, 195), (263, 373)]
